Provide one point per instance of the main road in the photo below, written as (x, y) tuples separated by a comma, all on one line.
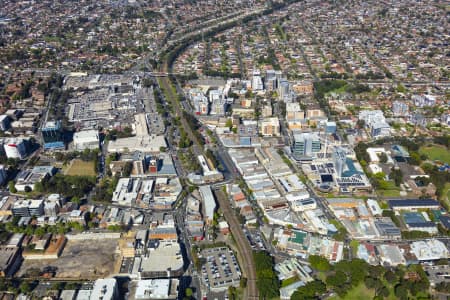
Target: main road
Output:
[(245, 251)]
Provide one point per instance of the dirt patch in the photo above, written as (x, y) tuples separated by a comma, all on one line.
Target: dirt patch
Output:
[(80, 259)]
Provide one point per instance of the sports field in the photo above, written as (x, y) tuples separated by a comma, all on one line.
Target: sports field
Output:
[(79, 167), (436, 152)]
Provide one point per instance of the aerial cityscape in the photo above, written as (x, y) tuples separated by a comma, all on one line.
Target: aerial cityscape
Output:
[(215, 150)]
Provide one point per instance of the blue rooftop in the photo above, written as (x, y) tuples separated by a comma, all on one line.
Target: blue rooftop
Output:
[(54, 145), (400, 151), (412, 202), (351, 169), (413, 217), (445, 220)]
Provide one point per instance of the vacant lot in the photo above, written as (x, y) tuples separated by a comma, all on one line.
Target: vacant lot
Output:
[(79, 167), (88, 259), (436, 152)]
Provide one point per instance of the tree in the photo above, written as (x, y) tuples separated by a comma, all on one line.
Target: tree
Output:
[(40, 231), (115, 228), (338, 279), (188, 292), (401, 292), (376, 271), (361, 123), (75, 200), (310, 291), (39, 187), (383, 291), (25, 287), (396, 175), (267, 280), (355, 269), (229, 123), (3, 285), (127, 169), (369, 282), (414, 158), (58, 286), (415, 234), (243, 282), (342, 290), (27, 189), (319, 263), (12, 187), (383, 158), (401, 88), (443, 287)]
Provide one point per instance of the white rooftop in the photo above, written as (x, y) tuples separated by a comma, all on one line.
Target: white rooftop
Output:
[(429, 250), (85, 136), (144, 143), (208, 200), (104, 289), (167, 256), (153, 289)]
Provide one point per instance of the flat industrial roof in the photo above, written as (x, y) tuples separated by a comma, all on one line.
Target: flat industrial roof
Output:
[(412, 202)]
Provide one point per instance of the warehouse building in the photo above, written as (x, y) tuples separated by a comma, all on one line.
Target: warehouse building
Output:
[(144, 144), (413, 204), (419, 222), (163, 260), (86, 139), (390, 255), (429, 250)]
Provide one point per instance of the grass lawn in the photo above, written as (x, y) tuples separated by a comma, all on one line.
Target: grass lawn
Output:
[(322, 276), (357, 293), (448, 191), (391, 190), (354, 245), (289, 281), (361, 292), (81, 168), (384, 205), (389, 193), (436, 152), (445, 197)]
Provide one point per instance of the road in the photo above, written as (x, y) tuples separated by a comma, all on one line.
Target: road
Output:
[(244, 248), (191, 277), (245, 251), (242, 243)]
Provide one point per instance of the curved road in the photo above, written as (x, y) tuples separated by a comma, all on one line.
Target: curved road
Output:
[(245, 251)]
